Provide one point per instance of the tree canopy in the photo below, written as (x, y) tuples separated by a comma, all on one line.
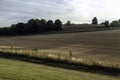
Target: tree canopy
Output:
[(32, 26), (95, 21), (106, 23), (68, 23)]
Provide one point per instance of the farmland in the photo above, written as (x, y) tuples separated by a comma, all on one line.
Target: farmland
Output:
[(102, 46), (59, 40)]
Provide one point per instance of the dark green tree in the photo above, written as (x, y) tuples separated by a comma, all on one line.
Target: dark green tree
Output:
[(114, 23), (119, 23), (106, 23), (20, 28), (68, 23), (4, 31), (12, 30), (49, 25), (38, 24), (95, 21), (42, 26), (32, 26), (57, 25)]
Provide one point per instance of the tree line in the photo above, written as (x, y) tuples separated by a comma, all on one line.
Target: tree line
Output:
[(39, 26), (115, 23), (31, 27)]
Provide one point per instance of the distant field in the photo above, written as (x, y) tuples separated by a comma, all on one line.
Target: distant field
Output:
[(18, 70), (102, 46)]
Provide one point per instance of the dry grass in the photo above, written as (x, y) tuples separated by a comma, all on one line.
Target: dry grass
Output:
[(103, 47)]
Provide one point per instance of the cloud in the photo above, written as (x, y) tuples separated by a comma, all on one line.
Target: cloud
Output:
[(13, 11), (16, 10)]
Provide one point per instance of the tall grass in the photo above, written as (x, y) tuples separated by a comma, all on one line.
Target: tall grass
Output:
[(70, 53), (59, 62)]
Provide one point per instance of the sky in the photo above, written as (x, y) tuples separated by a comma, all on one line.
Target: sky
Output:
[(77, 11)]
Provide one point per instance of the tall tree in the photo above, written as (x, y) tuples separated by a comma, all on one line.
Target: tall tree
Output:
[(58, 25), (42, 25), (20, 28), (38, 24), (114, 23), (32, 26), (95, 21), (68, 23), (49, 25), (106, 23)]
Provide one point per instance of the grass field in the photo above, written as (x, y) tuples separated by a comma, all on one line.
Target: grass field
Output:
[(102, 46), (18, 70)]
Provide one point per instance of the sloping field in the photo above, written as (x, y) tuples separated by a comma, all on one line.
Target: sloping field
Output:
[(18, 70), (102, 46)]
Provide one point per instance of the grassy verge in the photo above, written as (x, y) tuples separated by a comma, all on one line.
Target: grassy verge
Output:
[(64, 63), (20, 70)]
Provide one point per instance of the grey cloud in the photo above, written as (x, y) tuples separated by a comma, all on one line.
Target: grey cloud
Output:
[(22, 9), (13, 11)]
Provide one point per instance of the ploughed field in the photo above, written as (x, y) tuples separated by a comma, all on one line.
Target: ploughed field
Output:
[(101, 46)]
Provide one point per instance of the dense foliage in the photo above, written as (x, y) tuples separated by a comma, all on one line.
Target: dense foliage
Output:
[(106, 23), (68, 23), (39, 26), (115, 23), (95, 21), (31, 27)]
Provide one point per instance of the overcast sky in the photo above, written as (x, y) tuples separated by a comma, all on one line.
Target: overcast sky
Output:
[(78, 11)]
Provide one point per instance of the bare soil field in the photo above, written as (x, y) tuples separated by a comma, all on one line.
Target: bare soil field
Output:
[(101, 46)]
